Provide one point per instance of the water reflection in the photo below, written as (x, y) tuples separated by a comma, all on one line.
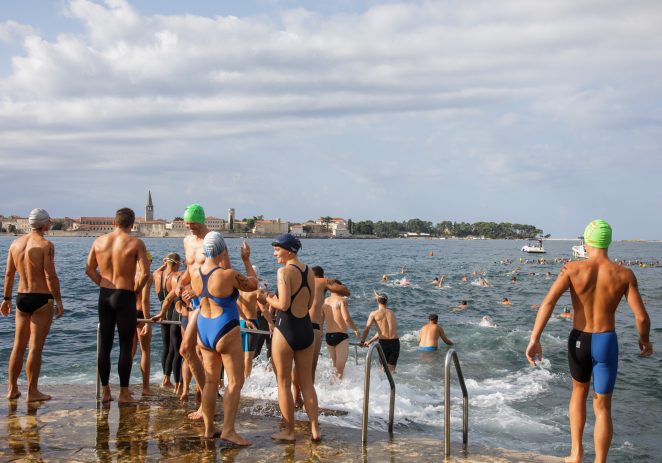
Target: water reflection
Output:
[(23, 431)]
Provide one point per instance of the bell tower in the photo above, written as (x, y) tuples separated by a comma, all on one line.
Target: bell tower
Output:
[(149, 207)]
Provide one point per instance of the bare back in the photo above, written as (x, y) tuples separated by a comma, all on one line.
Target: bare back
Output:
[(117, 256), (597, 287), (386, 323), (333, 315), (429, 335), (32, 256)]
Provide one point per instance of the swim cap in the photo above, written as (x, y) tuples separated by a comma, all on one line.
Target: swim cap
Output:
[(289, 242), (194, 213), (598, 234), (213, 244), (38, 218), (149, 256)]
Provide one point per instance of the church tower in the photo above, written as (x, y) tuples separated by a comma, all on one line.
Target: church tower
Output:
[(149, 207)]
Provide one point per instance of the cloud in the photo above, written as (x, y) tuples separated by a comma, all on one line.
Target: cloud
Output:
[(502, 92)]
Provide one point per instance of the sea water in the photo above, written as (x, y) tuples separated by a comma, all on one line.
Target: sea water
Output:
[(511, 404)]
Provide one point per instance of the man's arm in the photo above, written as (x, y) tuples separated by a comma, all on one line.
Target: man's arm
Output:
[(143, 267), (366, 330), (10, 273), (344, 311), (91, 267), (144, 298), (562, 283), (52, 280), (641, 317), (336, 287), (165, 306), (442, 335)]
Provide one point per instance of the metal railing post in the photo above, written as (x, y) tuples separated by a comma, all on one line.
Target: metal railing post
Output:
[(366, 391), (447, 400)]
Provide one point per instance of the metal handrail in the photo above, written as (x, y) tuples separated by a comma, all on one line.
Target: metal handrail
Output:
[(366, 391), (356, 345), (447, 398), (160, 322)]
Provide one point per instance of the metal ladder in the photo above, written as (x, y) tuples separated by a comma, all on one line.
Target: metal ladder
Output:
[(366, 391), (452, 355)]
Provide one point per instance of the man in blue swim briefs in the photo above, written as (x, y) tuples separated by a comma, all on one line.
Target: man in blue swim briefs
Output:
[(597, 286), (430, 334)]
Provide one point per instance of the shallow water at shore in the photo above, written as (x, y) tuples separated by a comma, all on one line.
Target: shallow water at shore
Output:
[(511, 404)]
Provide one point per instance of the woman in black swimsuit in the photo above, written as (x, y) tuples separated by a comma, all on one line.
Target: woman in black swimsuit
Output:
[(162, 275), (293, 337)]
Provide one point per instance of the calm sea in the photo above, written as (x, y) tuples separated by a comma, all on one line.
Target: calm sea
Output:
[(512, 405)]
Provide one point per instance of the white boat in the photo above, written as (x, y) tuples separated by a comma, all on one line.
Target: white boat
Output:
[(579, 251), (534, 246)]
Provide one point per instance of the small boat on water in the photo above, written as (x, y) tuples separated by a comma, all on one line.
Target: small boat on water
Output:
[(534, 245), (579, 251)]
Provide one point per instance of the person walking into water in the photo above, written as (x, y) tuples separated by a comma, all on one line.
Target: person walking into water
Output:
[(33, 258), (430, 333), (597, 286), (118, 264), (338, 319), (387, 331)]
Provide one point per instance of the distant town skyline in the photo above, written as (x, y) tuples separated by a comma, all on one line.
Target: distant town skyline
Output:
[(524, 112)]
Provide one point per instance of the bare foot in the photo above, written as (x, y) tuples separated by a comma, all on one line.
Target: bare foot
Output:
[(284, 435), (166, 384), (315, 434), (37, 396), (235, 438), (106, 397), (126, 398), (196, 415), (573, 459), (177, 389), (13, 393), (214, 434), (148, 391), (183, 398)]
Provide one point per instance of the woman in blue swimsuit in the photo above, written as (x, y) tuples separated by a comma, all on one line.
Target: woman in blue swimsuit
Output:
[(218, 332), (293, 337)]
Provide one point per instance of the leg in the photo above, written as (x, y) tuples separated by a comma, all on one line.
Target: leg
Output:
[(188, 348), (316, 353), (604, 430), (342, 352), (248, 363), (40, 325), (145, 364), (232, 356), (304, 361), (211, 365), (175, 357), (107, 323), (167, 356), (577, 412), (332, 355), (282, 358), (21, 338), (126, 328)]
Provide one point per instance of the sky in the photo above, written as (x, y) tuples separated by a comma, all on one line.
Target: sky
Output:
[(541, 113)]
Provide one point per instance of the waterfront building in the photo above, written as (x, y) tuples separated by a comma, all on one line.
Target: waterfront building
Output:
[(270, 227)]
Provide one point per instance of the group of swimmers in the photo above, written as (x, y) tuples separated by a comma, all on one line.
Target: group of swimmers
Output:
[(204, 304), (207, 292)]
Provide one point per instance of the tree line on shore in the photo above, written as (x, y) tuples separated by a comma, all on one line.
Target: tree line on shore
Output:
[(446, 228)]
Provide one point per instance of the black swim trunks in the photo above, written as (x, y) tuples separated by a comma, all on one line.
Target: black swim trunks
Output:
[(333, 339), (316, 326), (31, 302), (391, 348)]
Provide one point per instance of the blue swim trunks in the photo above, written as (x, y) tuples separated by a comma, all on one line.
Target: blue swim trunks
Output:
[(594, 354), (427, 348)]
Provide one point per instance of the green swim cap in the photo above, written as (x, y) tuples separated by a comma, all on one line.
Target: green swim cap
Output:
[(194, 213), (598, 234)]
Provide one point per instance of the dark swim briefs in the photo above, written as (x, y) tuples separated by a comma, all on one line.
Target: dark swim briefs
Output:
[(596, 354), (333, 339), (391, 348), (31, 302)]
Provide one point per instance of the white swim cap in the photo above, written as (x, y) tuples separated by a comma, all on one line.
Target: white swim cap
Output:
[(38, 218), (213, 244)]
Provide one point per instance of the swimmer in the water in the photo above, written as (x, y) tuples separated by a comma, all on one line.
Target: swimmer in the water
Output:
[(597, 286), (566, 313), (461, 306), (430, 333), (384, 278), (505, 301)]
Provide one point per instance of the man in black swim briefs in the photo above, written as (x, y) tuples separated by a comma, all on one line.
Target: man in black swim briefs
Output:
[(597, 286), (387, 331), (118, 264), (32, 257)]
